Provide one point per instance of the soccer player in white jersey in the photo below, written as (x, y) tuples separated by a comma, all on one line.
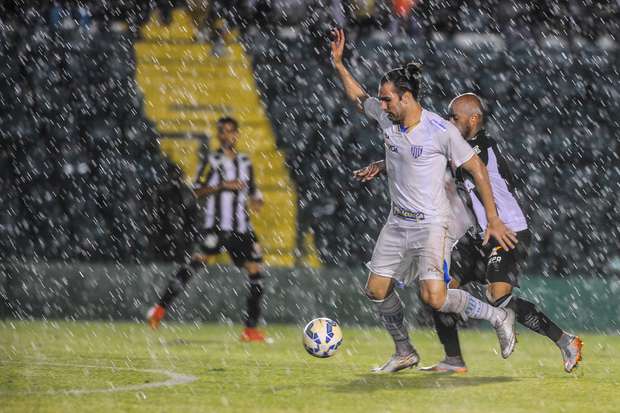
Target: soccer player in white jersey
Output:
[(489, 265), (412, 244)]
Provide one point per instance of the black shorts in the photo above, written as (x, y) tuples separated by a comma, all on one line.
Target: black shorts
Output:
[(241, 247), (490, 263)]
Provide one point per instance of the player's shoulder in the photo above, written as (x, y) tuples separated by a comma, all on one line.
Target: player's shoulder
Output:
[(439, 126), (434, 120)]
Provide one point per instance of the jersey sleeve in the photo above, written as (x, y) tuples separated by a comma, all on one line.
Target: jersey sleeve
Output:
[(207, 175), (456, 147), (372, 109), (252, 189)]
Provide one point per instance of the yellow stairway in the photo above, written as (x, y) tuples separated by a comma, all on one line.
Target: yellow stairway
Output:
[(186, 89)]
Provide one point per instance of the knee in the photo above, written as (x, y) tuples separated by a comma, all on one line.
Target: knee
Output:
[(499, 296), (377, 291), (435, 298)]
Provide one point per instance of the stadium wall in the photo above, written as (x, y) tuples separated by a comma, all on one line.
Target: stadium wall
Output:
[(124, 292)]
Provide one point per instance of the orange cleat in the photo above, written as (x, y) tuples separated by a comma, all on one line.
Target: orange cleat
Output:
[(155, 315), (448, 365), (571, 353), (252, 334)]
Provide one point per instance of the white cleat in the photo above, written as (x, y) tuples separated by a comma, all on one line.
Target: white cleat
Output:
[(506, 334), (399, 362)]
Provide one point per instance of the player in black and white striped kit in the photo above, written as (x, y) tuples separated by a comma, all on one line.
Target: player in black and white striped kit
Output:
[(491, 264), (226, 187)]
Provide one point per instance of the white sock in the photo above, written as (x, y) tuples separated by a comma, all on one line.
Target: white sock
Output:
[(462, 302)]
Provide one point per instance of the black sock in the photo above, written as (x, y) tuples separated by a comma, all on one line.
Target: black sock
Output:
[(175, 286), (445, 325), (535, 320), (255, 294)]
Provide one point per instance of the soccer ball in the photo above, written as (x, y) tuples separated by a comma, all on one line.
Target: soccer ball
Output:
[(322, 337)]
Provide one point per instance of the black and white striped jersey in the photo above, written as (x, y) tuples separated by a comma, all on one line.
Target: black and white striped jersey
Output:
[(501, 183), (226, 210)]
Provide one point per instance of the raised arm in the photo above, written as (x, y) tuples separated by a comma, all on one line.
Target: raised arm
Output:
[(354, 90), (495, 227)]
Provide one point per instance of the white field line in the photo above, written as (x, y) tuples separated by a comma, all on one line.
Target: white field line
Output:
[(174, 379)]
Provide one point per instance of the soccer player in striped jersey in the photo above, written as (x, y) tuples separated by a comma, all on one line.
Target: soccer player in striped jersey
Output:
[(501, 267), (226, 183), (413, 243)]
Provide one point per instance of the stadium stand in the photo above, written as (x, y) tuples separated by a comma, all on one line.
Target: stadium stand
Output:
[(187, 88), (83, 176)]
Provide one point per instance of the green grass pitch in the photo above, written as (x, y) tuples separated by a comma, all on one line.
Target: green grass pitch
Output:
[(111, 367)]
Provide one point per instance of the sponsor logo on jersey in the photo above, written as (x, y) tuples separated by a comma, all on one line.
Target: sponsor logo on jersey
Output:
[(407, 214), (391, 147), (416, 151)]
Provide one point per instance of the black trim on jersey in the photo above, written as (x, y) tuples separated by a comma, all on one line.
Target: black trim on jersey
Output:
[(482, 143), (235, 201), (218, 196), (252, 189), (504, 169)]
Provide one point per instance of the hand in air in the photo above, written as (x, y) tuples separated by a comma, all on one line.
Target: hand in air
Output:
[(369, 172), (506, 238), (337, 45)]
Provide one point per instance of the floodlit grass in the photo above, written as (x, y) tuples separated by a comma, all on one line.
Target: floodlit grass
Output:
[(52, 366)]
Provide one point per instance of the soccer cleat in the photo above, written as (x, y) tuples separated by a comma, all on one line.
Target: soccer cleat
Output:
[(506, 334), (447, 365), (252, 334), (399, 362), (155, 315), (571, 353)]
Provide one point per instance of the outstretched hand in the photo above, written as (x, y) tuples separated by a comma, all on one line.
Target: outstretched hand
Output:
[(337, 45), (506, 238), (369, 172)]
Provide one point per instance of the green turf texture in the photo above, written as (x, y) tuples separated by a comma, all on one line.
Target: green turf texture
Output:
[(41, 361)]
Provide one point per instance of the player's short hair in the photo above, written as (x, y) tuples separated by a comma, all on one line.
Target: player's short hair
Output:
[(405, 79), (230, 120)]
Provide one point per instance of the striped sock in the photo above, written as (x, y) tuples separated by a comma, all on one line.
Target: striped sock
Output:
[(391, 312)]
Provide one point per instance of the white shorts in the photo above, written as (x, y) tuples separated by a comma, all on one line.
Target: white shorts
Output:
[(409, 253)]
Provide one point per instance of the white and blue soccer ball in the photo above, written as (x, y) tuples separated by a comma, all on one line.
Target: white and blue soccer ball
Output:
[(322, 337)]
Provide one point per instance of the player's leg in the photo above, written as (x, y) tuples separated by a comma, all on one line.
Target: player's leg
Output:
[(391, 312), (386, 266), (466, 264), (502, 270), (176, 284), (206, 246), (439, 297), (245, 251), (434, 292)]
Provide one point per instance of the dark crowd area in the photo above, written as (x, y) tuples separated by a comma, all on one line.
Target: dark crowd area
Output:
[(83, 178)]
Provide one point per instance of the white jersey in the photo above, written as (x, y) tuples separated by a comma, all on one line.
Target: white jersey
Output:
[(416, 165)]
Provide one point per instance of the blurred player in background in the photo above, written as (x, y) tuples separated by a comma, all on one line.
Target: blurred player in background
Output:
[(413, 243), (226, 184)]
